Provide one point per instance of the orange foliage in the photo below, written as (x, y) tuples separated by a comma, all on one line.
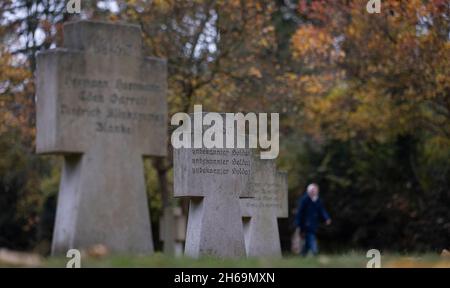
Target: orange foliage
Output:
[(391, 69), (16, 97)]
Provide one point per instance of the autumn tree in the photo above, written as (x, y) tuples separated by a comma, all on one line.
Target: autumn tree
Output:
[(375, 92), (363, 100)]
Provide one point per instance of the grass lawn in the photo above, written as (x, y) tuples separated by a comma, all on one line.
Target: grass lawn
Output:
[(352, 259)]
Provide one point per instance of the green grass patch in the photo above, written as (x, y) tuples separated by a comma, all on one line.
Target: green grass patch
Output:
[(349, 260)]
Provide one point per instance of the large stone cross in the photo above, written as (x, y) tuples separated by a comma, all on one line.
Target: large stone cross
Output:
[(214, 179), (262, 238), (102, 105)]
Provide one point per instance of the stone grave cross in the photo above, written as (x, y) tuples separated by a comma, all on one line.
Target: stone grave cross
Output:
[(102, 105), (214, 180), (260, 214)]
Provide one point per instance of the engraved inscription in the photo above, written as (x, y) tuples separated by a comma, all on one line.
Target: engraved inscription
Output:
[(265, 196), (105, 47), (116, 106), (221, 161)]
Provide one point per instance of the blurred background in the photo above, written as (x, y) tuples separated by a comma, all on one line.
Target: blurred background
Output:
[(364, 103)]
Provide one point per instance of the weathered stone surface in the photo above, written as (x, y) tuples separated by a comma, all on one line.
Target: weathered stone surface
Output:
[(260, 213), (214, 179), (102, 105), (172, 230)]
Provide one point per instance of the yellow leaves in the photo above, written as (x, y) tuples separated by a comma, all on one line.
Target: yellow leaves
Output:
[(443, 80), (10, 73), (310, 42), (263, 42), (254, 72), (291, 76), (15, 93), (163, 5), (113, 18), (371, 111), (8, 120), (314, 88), (405, 262), (344, 112), (325, 114), (351, 31), (393, 68), (316, 85)]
